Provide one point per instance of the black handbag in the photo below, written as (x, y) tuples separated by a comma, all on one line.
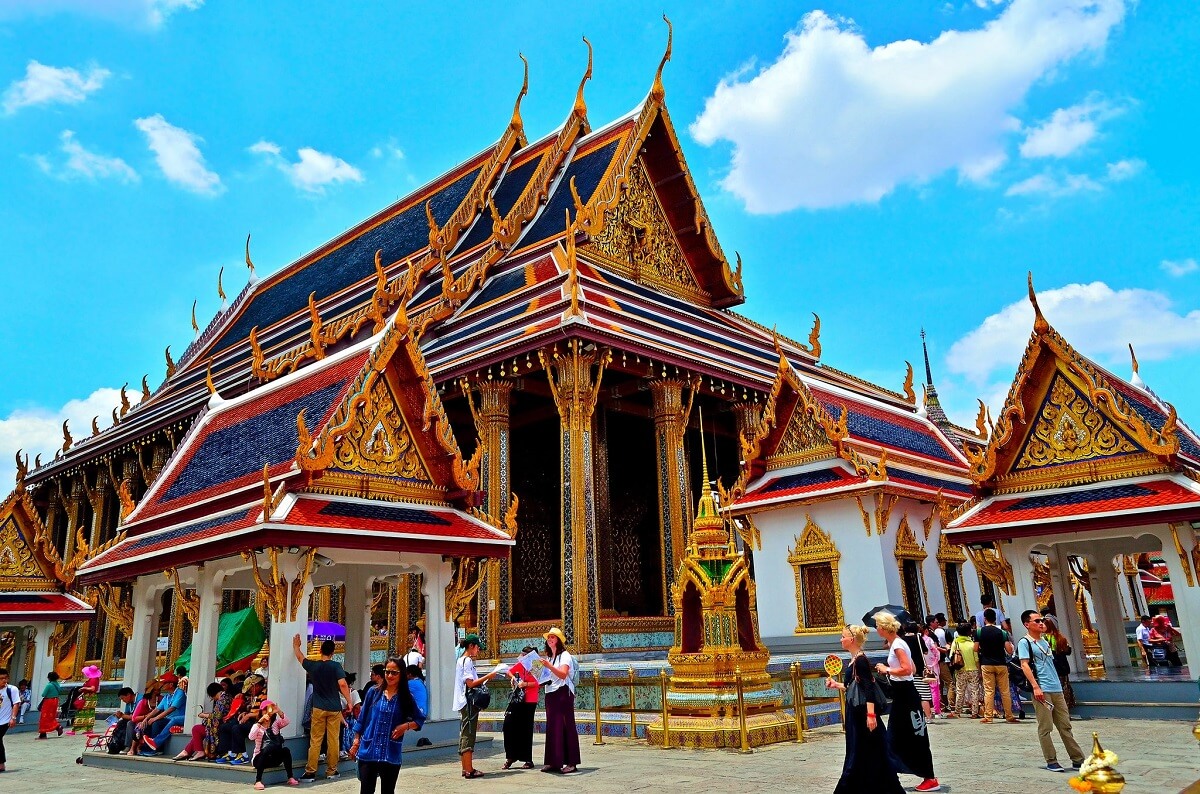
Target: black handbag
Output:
[(479, 697), (272, 741)]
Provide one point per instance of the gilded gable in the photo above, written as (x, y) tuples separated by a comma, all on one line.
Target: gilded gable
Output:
[(19, 568), (379, 441), (803, 440), (1068, 428)]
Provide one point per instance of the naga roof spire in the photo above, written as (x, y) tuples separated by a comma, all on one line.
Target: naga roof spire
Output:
[(517, 124), (580, 108), (657, 91), (249, 264), (1135, 378), (1040, 326)]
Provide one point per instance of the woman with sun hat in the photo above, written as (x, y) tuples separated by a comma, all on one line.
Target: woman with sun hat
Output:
[(562, 740)]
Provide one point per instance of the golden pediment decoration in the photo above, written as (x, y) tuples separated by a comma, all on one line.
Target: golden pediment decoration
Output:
[(1068, 428), (638, 242), (378, 440), (804, 439), (907, 547), (16, 557), (948, 551), (990, 562), (813, 545)]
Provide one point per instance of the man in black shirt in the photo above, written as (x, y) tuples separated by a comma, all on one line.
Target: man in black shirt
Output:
[(331, 696), (994, 646)]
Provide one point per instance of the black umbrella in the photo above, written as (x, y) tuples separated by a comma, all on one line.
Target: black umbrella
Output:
[(899, 613)]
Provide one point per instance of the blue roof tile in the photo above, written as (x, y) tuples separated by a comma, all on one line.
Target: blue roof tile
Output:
[(408, 515), (588, 170), (1079, 497), (881, 431), (801, 480), (505, 197)]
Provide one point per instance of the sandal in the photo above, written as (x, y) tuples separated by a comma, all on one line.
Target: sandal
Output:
[(527, 765), (474, 773), (507, 764), (570, 770)]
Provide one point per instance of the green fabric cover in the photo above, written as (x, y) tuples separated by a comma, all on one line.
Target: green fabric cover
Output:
[(239, 635)]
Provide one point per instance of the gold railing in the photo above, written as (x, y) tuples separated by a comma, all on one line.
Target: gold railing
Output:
[(793, 675)]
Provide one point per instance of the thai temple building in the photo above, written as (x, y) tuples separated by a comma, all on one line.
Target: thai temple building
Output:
[(477, 410)]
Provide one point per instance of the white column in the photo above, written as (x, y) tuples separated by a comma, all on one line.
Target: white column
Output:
[(439, 642), (139, 654), (1106, 603), (1187, 599), (210, 580), (43, 663), (286, 684), (1024, 597), (358, 622), (1064, 603)]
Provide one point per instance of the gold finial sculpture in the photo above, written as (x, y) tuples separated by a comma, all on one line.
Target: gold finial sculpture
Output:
[(517, 123), (249, 264), (195, 325), (115, 419), (1040, 326), (125, 404), (580, 108), (126, 498), (22, 468), (981, 420), (96, 425), (1133, 358), (208, 379), (220, 287), (145, 388), (909, 394), (67, 440), (657, 92), (814, 337), (170, 362)]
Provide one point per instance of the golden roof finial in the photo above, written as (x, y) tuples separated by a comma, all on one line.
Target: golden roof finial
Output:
[(708, 528), (517, 124), (981, 421), (67, 440), (96, 425), (814, 337), (116, 420), (37, 460), (125, 406), (249, 264), (267, 496), (220, 287), (145, 388), (580, 108), (1133, 358), (22, 468), (657, 92), (1040, 326), (208, 379), (195, 325), (909, 394), (170, 362), (126, 499)]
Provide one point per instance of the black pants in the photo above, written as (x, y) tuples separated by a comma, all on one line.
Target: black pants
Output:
[(231, 738), (272, 758), (370, 771), (3, 730)]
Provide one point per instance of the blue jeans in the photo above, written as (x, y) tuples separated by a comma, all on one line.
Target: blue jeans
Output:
[(163, 735)]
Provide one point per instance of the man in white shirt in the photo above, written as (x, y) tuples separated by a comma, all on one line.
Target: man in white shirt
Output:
[(10, 706), (1143, 638)]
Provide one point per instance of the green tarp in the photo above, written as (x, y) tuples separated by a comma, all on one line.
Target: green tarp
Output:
[(239, 637)]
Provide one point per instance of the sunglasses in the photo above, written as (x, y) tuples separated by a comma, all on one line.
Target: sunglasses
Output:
[(391, 672), (1037, 620)]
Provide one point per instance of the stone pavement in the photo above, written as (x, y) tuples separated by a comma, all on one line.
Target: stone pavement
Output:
[(1156, 756)]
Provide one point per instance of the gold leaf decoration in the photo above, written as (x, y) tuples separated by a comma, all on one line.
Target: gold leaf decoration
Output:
[(1069, 429)]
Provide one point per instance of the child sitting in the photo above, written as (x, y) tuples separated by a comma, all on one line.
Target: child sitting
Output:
[(269, 749)]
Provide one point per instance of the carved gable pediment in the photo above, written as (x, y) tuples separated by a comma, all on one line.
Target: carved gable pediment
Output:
[(637, 241), (804, 439), (379, 441), (22, 567), (1068, 428)]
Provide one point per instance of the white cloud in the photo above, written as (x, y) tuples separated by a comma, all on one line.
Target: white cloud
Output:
[(38, 430), (47, 85), (178, 156), (390, 148), (80, 162), (1054, 186), (313, 171), (145, 13), (833, 121), (1179, 267), (1068, 129), (1098, 320), (1125, 169)]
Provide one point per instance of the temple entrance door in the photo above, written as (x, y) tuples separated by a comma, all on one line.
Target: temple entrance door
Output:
[(537, 557)]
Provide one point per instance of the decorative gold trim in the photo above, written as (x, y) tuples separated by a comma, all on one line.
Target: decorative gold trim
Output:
[(187, 600), (989, 561), (909, 395), (909, 549), (1183, 557), (815, 547)]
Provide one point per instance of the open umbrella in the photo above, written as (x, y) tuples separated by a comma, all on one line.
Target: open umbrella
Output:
[(324, 630), (899, 613)]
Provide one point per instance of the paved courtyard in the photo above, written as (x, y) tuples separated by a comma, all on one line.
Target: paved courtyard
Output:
[(1156, 756)]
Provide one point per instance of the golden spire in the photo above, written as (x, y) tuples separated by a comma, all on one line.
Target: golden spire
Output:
[(1133, 358), (657, 92), (67, 440), (909, 394), (580, 108), (220, 287), (249, 264), (1040, 326), (125, 406), (708, 528), (145, 388), (814, 337), (195, 325), (517, 124), (170, 362)]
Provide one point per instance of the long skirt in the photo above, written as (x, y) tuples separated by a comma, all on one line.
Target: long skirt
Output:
[(867, 768), (518, 732), (48, 715), (562, 740), (907, 733)]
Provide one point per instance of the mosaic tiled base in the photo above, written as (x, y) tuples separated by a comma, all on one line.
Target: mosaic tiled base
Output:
[(714, 733), (637, 641)]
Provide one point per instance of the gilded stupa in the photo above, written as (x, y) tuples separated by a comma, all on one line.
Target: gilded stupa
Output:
[(716, 637)]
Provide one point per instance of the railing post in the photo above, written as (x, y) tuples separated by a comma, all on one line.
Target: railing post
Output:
[(596, 696), (662, 684), (797, 697), (741, 703), (803, 707), (632, 707)]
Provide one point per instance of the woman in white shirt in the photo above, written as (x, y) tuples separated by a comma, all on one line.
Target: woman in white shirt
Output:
[(562, 740), (907, 732)]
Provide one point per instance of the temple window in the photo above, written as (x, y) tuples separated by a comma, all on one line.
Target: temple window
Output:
[(814, 559), (951, 557), (910, 556)]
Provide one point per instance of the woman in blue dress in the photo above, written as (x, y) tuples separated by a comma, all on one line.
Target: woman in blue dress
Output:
[(388, 712)]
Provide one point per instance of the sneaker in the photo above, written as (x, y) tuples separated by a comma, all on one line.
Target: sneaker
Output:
[(238, 760), (930, 785), (147, 754), (1076, 765), (1055, 766), (321, 757), (149, 743), (309, 776), (344, 757), (333, 775), (225, 759)]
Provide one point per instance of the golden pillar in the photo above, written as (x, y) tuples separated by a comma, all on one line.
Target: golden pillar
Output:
[(493, 421), (575, 377), (670, 424)]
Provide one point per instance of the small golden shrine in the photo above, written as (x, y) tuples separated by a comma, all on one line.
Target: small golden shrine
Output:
[(716, 642)]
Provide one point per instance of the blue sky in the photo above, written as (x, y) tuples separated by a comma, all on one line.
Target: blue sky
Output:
[(890, 166)]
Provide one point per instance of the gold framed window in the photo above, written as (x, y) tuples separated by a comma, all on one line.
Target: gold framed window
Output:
[(814, 560)]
